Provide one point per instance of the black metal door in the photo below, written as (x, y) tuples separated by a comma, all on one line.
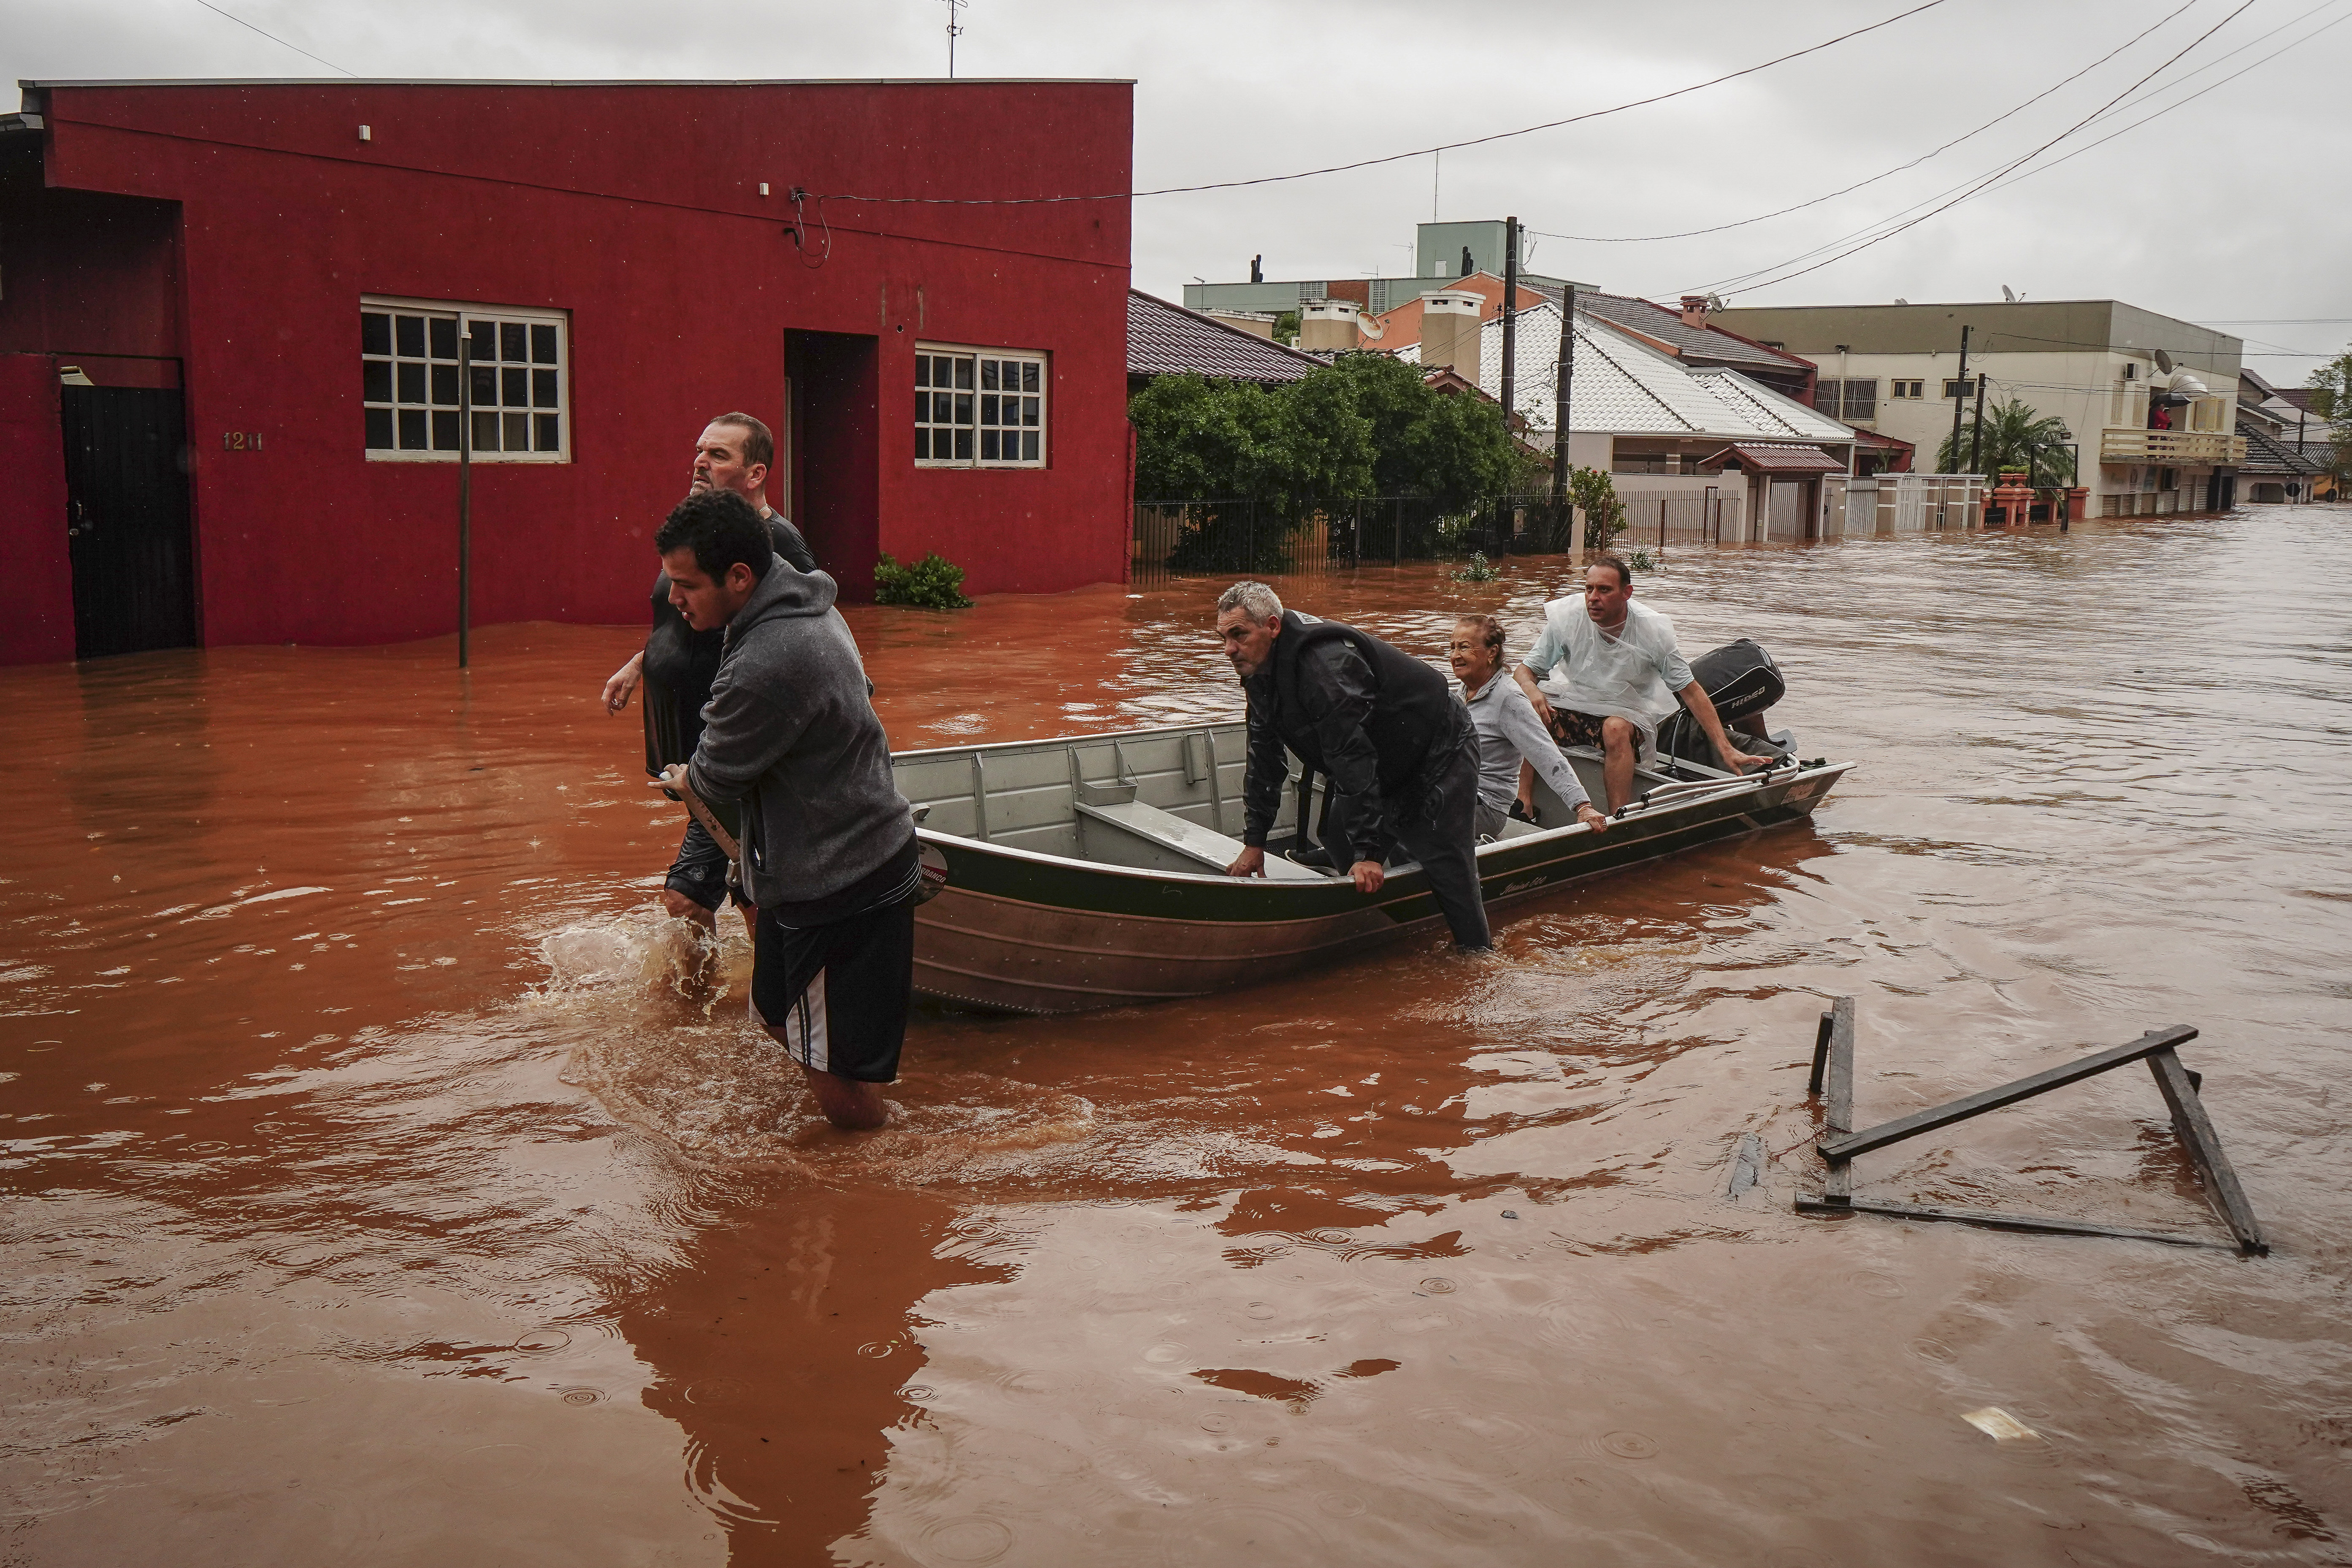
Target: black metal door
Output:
[(127, 519)]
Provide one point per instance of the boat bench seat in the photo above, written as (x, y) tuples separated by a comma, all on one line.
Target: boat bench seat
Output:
[(1190, 839)]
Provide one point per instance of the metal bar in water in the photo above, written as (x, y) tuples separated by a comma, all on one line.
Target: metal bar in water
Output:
[(1821, 1053), (1839, 1082), (2179, 1086), (1838, 1151), (1993, 1219)]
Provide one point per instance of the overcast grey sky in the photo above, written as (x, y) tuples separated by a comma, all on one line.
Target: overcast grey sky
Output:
[(2229, 210)]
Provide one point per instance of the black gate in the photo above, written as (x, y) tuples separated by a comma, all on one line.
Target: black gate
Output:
[(127, 521)]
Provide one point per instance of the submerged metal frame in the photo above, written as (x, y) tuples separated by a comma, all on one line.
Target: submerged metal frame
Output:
[(1832, 1079)]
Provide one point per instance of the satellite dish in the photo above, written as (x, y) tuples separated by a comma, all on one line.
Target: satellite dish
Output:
[(2007, 295), (2164, 362)]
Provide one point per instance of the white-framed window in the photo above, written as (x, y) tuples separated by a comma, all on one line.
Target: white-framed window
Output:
[(980, 408), (2205, 414), (1955, 387), (409, 390), (1905, 389)]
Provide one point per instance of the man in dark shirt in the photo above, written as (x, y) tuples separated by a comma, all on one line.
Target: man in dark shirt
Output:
[(1385, 729), (679, 662)]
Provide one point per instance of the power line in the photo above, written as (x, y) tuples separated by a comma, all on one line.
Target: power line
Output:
[(1979, 187), (1887, 173), (1867, 228), (273, 37), (1401, 157)]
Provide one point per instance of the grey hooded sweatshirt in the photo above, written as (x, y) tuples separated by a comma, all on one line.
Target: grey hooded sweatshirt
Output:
[(791, 732)]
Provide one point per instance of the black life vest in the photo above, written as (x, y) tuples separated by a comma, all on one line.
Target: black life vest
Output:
[(1413, 707)]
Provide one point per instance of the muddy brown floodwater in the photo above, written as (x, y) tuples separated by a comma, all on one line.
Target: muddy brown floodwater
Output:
[(373, 1195)]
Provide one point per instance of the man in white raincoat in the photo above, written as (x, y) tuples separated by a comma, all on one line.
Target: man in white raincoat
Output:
[(1605, 673)]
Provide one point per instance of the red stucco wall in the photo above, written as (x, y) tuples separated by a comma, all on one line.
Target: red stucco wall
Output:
[(36, 575), (636, 209)]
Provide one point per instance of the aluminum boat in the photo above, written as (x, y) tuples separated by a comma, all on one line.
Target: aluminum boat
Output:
[(1087, 872)]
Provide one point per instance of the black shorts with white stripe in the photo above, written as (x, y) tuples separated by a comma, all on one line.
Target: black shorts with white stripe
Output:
[(835, 996)]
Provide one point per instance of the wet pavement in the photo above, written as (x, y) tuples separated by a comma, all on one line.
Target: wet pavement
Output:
[(378, 1189)]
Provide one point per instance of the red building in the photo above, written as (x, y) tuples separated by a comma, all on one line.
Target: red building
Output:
[(232, 315)]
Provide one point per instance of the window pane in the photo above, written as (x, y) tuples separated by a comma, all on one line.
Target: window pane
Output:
[(376, 333), (964, 373), (963, 446), (379, 428), (412, 429), (923, 370), (1029, 445), (988, 399), (515, 388), (543, 389), (922, 407), (486, 432), (988, 446), (1029, 376), (511, 342), (412, 383), (375, 379), (963, 405), (942, 407), (542, 343), (485, 386), (445, 337), (548, 432), (409, 332), (1029, 410), (444, 385), (988, 376), (445, 422), (485, 338), (517, 432)]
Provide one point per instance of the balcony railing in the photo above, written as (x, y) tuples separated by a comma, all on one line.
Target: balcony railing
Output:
[(2172, 449)]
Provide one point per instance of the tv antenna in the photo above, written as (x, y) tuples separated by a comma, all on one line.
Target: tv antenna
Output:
[(955, 31)]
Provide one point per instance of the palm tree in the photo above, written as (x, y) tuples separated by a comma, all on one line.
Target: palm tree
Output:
[(2015, 436)]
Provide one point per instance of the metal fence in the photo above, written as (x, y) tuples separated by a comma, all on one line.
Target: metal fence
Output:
[(1239, 535)]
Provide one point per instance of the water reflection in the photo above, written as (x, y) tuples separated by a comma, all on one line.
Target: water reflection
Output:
[(381, 1186)]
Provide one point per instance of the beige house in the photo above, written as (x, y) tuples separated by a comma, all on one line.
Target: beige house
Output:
[(2100, 366)]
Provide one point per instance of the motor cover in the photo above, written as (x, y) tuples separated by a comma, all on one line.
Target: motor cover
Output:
[(1740, 679)]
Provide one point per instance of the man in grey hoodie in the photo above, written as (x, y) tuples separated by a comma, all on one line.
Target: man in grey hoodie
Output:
[(828, 846)]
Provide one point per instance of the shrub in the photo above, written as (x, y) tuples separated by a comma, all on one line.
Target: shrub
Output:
[(1595, 493), (1480, 569), (934, 583)]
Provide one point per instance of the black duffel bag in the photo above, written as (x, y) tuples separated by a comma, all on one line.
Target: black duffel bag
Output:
[(1740, 679)]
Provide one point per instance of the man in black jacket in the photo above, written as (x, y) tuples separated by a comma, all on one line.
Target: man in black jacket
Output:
[(1398, 747), (678, 663)]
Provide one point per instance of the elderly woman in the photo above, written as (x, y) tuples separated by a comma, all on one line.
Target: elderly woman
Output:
[(1508, 730)]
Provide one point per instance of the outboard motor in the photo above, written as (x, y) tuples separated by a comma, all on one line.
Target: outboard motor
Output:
[(1741, 681)]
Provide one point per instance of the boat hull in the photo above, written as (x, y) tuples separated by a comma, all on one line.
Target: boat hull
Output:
[(1025, 932)]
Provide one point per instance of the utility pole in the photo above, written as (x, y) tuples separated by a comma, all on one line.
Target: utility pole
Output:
[(465, 491), (1959, 395), (1976, 431), (1564, 373), (954, 32), (1510, 316)]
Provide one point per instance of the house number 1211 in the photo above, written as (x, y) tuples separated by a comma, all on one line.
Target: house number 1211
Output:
[(240, 440)]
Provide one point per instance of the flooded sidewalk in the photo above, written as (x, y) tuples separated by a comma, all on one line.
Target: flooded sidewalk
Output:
[(382, 1187)]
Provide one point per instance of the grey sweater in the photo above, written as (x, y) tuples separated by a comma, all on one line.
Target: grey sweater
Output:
[(791, 732)]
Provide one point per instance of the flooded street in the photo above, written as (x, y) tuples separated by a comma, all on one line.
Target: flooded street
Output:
[(376, 1192)]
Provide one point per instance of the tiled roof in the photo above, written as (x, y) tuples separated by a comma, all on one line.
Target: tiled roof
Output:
[(1168, 340), (1400, 324), (1770, 458), (2267, 454), (1707, 345), (1627, 388)]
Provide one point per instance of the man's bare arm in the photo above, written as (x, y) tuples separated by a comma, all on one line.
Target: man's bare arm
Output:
[(1702, 708)]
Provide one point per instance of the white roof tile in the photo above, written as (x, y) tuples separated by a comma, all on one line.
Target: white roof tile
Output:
[(1625, 387)]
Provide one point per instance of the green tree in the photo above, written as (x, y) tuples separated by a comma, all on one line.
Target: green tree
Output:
[(1594, 493), (1365, 424), (2015, 436), (2331, 399)]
